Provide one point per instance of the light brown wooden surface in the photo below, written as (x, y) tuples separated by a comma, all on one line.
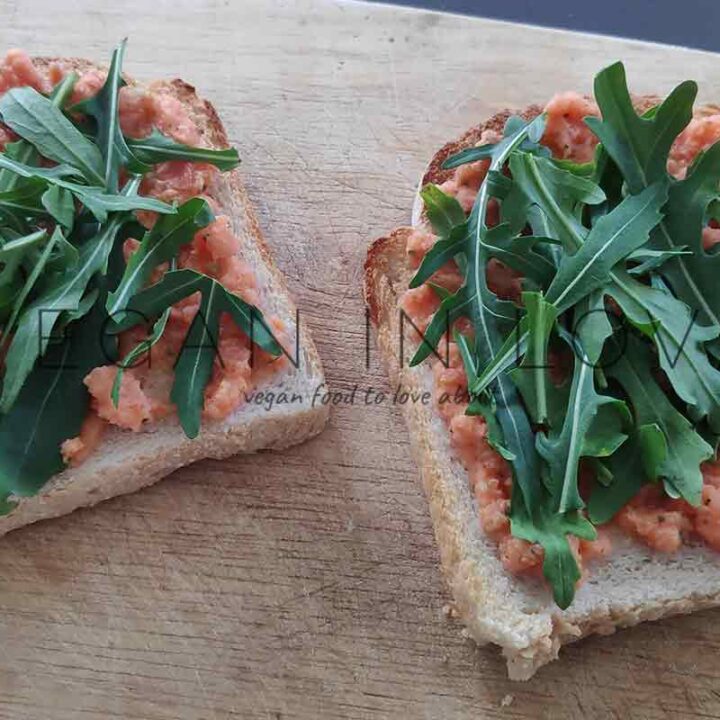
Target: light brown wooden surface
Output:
[(305, 584)]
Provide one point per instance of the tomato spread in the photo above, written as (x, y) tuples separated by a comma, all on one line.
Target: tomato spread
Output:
[(651, 517), (215, 251)]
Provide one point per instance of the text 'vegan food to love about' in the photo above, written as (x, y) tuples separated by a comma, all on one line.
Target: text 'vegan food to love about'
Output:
[(138, 303), (561, 295)]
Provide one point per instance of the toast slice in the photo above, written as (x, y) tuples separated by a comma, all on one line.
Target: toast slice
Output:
[(127, 461), (518, 614)]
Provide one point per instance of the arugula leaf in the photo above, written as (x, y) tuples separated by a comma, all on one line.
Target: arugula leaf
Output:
[(37, 120), (63, 90), (63, 295), (679, 339), (531, 377), (607, 431), (628, 476), (51, 407), (557, 192), (31, 172), (37, 321), (104, 108), (443, 211), (95, 199), (442, 252), (159, 245), (469, 155), (194, 364), (654, 452), (157, 148), (613, 237), (516, 210), (487, 313), (14, 250), (591, 322), (693, 276), (562, 449), (514, 125), (440, 291), (679, 465), (550, 529), (482, 405), (101, 204), (510, 352), (25, 152), (649, 260), (38, 268), (638, 145), (22, 201), (58, 202), (519, 253), (21, 205)]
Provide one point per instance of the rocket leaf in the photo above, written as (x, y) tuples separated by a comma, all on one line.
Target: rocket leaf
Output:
[(680, 342), (531, 377), (550, 529), (693, 276), (638, 145), (685, 448), (37, 120), (627, 470), (104, 108), (160, 244), (443, 211), (51, 407), (562, 449), (157, 148), (613, 237), (194, 364)]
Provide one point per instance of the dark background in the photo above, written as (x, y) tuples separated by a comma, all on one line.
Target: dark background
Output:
[(695, 23)]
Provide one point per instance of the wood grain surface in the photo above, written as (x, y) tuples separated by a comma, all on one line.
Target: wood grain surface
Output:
[(305, 584)]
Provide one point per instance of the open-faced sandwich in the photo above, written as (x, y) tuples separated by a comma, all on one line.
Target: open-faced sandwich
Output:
[(560, 288), (139, 304)]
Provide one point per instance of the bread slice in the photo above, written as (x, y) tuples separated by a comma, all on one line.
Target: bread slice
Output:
[(127, 461), (634, 585)]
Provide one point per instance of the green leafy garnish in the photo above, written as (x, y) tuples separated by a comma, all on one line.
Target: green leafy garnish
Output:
[(673, 451), (68, 197), (638, 145), (617, 282), (531, 377), (194, 364), (50, 408), (104, 109), (159, 245), (40, 122), (156, 148)]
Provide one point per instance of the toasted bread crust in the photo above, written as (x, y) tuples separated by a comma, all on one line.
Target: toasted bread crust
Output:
[(126, 461), (435, 173), (495, 606)]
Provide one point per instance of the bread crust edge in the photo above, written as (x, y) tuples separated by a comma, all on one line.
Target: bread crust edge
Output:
[(385, 278), (99, 478)]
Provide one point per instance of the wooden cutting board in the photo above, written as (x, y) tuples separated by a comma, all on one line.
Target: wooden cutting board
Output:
[(305, 584)]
